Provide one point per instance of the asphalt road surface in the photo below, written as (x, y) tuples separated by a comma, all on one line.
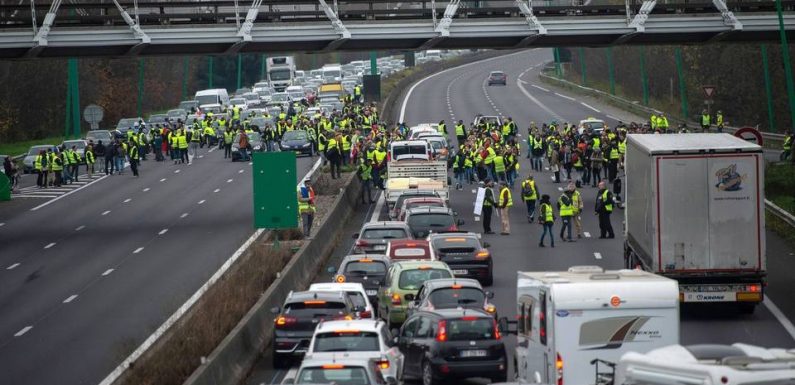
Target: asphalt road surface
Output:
[(87, 277), (461, 93)]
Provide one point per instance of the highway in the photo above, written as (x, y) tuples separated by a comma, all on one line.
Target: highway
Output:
[(87, 277), (460, 93)]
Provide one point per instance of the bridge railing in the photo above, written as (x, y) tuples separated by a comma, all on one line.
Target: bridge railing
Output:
[(168, 12)]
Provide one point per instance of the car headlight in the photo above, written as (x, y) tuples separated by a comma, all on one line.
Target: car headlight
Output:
[(307, 145)]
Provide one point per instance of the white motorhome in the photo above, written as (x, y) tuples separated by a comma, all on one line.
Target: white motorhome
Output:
[(737, 364), (565, 320), (217, 97), (281, 72), (332, 73)]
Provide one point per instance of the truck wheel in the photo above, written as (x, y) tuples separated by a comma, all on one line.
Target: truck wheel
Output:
[(747, 308)]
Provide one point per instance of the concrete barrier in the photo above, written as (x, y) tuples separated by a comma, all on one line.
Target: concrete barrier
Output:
[(231, 361)]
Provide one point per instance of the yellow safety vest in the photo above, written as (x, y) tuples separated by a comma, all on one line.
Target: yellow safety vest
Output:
[(490, 157), (499, 163), (608, 207), (505, 202), (575, 202), (38, 162), (532, 187), (622, 146), (459, 130), (546, 208), (565, 209)]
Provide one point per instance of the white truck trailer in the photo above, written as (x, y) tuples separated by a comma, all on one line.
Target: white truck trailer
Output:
[(695, 213), (281, 72)]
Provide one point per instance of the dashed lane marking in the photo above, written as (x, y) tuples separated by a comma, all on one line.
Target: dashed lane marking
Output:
[(146, 189), (49, 245), (70, 299), (536, 101), (612, 117), (565, 97), (240, 171), (107, 272), (127, 200), (201, 202), (597, 255), (106, 212), (540, 88), (250, 163), (14, 266), (138, 250), (23, 331), (183, 215), (163, 180), (587, 234), (2, 224), (216, 190), (559, 188), (176, 171), (81, 227), (229, 180), (162, 232), (591, 107)]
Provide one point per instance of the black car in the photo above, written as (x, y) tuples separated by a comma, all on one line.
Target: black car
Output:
[(465, 255), (298, 141), (452, 343), (452, 293), (368, 269), (296, 321), (426, 220), (254, 142), (497, 77)]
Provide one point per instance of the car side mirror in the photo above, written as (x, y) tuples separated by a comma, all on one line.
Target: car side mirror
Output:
[(489, 295), (486, 245), (460, 222), (505, 326), (391, 381), (331, 269), (275, 310), (395, 340), (409, 297), (358, 308), (355, 236)]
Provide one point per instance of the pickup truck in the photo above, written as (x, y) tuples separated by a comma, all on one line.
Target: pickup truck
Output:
[(411, 167)]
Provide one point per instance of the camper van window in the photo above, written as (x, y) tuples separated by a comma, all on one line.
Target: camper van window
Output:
[(424, 329), (526, 318), (542, 318)]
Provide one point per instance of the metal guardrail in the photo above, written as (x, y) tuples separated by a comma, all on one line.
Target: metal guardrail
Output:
[(780, 213)]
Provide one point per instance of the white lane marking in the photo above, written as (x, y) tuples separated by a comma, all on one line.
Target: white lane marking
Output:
[(785, 322), (2, 224), (538, 102), (183, 215), (162, 232), (278, 372), (190, 163), (81, 227), (587, 234), (176, 171), (107, 272), (597, 255), (49, 245), (12, 267), (229, 180), (408, 94), (201, 156), (539, 87), (588, 106), (250, 163), (23, 331), (106, 212), (552, 177), (612, 117), (546, 168), (565, 97), (163, 180), (240, 171), (146, 189), (70, 299), (201, 202), (216, 190), (559, 188), (378, 207), (138, 250), (127, 200), (67, 194), (212, 149)]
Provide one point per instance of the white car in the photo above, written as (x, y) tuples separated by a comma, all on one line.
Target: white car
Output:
[(358, 339), (238, 102), (421, 128), (596, 126), (355, 291)]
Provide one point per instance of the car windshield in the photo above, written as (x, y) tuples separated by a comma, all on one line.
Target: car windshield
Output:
[(436, 144), (347, 341), (594, 125), (413, 279), (385, 234), (294, 135), (177, 113), (412, 205), (284, 74), (315, 309), (207, 99), (449, 297), (98, 134), (410, 253), (251, 97), (357, 298), (36, 149), (399, 151), (280, 97), (77, 143), (338, 376), (259, 122), (127, 123), (431, 220), (236, 101), (365, 268), (187, 105), (470, 329)]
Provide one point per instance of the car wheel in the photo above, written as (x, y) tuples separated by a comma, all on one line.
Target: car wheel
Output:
[(427, 373), (503, 377), (281, 361), (489, 280)]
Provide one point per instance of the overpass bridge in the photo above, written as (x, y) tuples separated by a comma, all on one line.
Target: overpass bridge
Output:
[(58, 28)]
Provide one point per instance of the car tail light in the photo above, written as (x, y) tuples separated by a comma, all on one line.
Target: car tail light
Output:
[(396, 299), (469, 318), (482, 254), (282, 321), (333, 366), (559, 368), (441, 333), (362, 243), (382, 364), (496, 331), (755, 288), (452, 228), (365, 314)]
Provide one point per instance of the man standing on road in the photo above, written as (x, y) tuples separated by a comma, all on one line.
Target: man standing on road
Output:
[(546, 217), (604, 207), (460, 132), (505, 203), (195, 138), (109, 155), (242, 145), (488, 206), (229, 135), (530, 196), (365, 174), (90, 158), (705, 121), (566, 211), (40, 165), (577, 206), (134, 157), (306, 207)]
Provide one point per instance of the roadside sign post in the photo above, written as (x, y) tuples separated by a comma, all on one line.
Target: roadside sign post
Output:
[(275, 199), (93, 115), (750, 134), (709, 94)]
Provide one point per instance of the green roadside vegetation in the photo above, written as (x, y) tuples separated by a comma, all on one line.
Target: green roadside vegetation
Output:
[(18, 148), (780, 185)]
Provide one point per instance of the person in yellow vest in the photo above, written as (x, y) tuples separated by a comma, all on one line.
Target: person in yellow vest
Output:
[(653, 121), (504, 203), (787, 147), (229, 136), (576, 206), (662, 123), (719, 120), (379, 170), (530, 196), (334, 155), (499, 166), (566, 211), (546, 217), (365, 174), (182, 142), (613, 157), (57, 167), (74, 163), (40, 165), (90, 159), (306, 207), (357, 93), (346, 147), (134, 158), (442, 128), (705, 120), (193, 147), (604, 207), (460, 132)]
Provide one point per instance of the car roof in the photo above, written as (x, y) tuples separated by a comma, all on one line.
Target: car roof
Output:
[(422, 199), (414, 264), (454, 234), (497, 72), (364, 325), (374, 257), (300, 296), (385, 224), (408, 243), (458, 313), (334, 286), (438, 283), (430, 210)]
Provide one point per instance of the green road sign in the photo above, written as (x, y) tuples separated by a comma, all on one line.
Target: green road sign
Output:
[(275, 199)]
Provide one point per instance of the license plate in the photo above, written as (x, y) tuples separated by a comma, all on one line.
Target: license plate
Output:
[(460, 272), (473, 353), (726, 296), (371, 292), (379, 247)]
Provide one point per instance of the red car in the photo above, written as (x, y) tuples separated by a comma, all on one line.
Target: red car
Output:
[(419, 202), (400, 250)]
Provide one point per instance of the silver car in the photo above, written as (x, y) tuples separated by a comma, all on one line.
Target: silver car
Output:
[(30, 157), (374, 236)]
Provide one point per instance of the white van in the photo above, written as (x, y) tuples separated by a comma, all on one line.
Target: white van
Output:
[(565, 320), (736, 364), (332, 73), (217, 97)]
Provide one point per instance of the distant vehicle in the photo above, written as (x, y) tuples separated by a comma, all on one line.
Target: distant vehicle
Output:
[(409, 249), (300, 76), (411, 203), (425, 220), (433, 55), (281, 72), (178, 114), (157, 119), (395, 212), (332, 73), (28, 163), (297, 319), (127, 124), (736, 364), (367, 269), (264, 94), (404, 278), (409, 150), (567, 319), (695, 212), (260, 122), (96, 135), (415, 131), (298, 141), (355, 291), (316, 74), (465, 255), (342, 371), (80, 147), (452, 293), (254, 140), (497, 77), (296, 93), (280, 97), (374, 236), (238, 102), (358, 339), (189, 105), (492, 120), (591, 125), (439, 146), (252, 99), (216, 97), (447, 344)]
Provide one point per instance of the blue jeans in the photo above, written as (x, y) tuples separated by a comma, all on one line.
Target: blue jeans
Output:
[(538, 162), (547, 229), (119, 161), (460, 176), (531, 208), (511, 177), (566, 224), (468, 173)]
